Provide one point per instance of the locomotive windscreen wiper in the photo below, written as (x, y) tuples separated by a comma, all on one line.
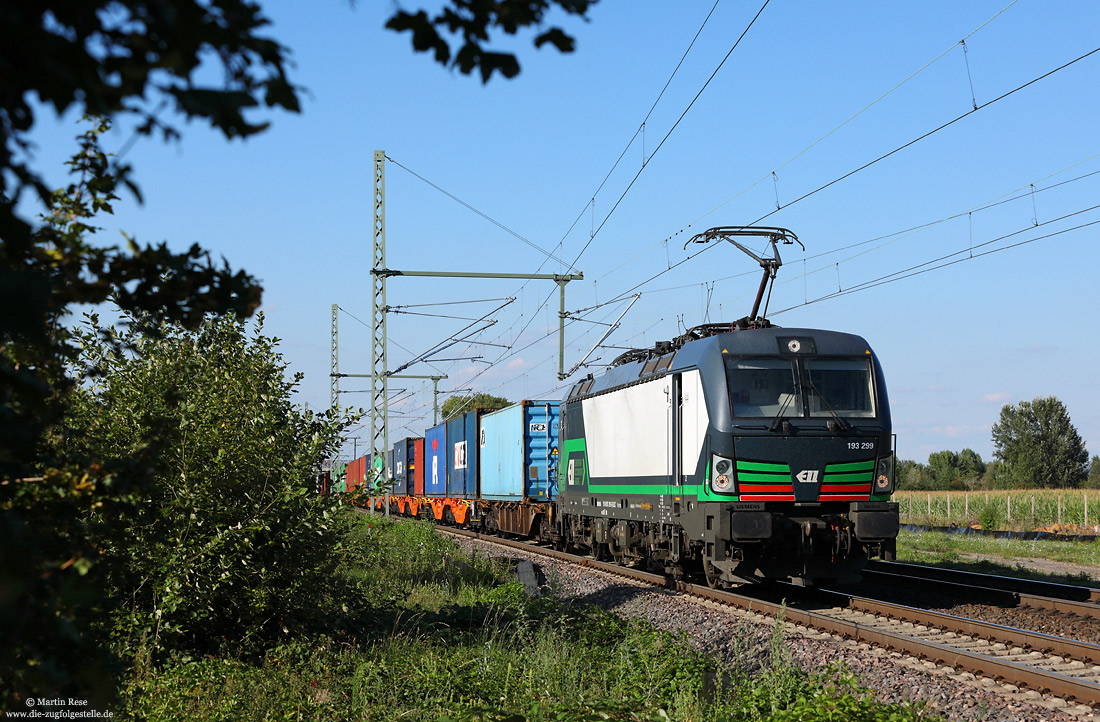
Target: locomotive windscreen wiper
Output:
[(796, 386), (829, 407), (776, 424)]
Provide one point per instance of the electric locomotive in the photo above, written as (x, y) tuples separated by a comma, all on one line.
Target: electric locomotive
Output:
[(745, 451)]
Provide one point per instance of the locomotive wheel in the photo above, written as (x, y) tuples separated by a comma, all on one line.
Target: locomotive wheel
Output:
[(713, 576)]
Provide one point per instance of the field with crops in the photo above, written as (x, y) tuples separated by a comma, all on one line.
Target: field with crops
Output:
[(1073, 511)]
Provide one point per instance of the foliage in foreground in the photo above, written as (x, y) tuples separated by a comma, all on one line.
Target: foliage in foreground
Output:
[(229, 546), (52, 590), (463, 643)]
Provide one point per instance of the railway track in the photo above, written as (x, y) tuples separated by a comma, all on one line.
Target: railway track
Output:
[(1082, 601), (1065, 668)]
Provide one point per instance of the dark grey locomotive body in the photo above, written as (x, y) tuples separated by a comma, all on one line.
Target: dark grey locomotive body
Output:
[(757, 453)]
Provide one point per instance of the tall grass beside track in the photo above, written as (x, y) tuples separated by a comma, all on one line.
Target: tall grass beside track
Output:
[(454, 637), (1020, 510), (1005, 557)]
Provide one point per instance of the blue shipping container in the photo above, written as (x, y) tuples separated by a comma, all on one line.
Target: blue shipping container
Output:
[(462, 453), (435, 459), (519, 452), (404, 465)]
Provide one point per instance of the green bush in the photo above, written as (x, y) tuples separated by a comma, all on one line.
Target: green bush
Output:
[(229, 547), (990, 516)]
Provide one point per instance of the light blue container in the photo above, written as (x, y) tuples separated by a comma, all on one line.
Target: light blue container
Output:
[(435, 461), (519, 452)]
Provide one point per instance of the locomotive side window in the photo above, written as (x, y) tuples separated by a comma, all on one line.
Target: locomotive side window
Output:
[(841, 386), (763, 387)]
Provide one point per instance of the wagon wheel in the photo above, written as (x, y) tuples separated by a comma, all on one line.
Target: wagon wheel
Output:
[(618, 554), (600, 552)]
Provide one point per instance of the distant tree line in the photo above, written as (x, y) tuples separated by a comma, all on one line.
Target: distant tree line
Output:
[(1035, 445)]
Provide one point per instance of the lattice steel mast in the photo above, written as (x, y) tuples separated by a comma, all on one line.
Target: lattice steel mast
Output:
[(334, 373), (379, 379)]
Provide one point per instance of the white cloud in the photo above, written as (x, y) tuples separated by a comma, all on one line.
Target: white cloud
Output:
[(960, 430), (998, 397)]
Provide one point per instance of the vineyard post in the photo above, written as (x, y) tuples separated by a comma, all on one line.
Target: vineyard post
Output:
[(929, 509), (949, 508), (1086, 509), (1008, 504), (1033, 508), (1059, 510)]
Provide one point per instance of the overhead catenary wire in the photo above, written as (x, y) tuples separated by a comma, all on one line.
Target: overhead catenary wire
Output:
[(930, 133), (628, 292), (812, 145), (869, 164), (527, 325), (591, 203), (671, 130), (486, 216), (928, 266)]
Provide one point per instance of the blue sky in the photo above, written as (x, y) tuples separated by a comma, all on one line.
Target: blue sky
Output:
[(814, 91)]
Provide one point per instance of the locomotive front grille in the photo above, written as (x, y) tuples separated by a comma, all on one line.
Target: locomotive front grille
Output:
[(847, 482), (770, 481), (764, 481)]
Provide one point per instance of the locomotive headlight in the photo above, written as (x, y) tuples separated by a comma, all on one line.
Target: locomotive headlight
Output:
[(884, 475), (722, 482)]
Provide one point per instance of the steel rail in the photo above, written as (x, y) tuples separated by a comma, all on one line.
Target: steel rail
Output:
[(1032, 601), (1040, 680), (1038, 641), (991, 581)]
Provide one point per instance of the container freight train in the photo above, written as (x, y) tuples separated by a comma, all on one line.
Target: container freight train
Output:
[(743, 454), (496, 471), (735, 452)]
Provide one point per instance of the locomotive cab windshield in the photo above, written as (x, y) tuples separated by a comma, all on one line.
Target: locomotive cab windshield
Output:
[(807, 387)]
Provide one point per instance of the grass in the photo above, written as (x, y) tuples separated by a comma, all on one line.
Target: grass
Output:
[(454, 637), (959, 552)]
